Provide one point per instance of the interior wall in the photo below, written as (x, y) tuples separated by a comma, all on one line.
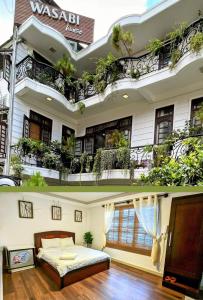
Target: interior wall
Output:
[(19, 231)]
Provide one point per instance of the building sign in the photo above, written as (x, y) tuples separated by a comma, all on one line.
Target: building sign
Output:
[(71, 25)]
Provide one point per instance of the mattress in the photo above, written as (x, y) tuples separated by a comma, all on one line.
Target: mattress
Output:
[(84, 257)]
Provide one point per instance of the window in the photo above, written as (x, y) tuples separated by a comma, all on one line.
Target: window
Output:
[(163, 123), (195, 106), (101, 134), (66, 133), (40, 127), (126, 233)]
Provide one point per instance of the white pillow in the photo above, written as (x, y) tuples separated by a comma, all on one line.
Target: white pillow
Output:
[(68, 256), (50, 243), (66, 242)]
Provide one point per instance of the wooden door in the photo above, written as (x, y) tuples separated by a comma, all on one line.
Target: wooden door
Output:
[(184, 256), (35, 131)]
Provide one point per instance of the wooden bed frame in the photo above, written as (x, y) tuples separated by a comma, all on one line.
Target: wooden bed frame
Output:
[(72, 276)]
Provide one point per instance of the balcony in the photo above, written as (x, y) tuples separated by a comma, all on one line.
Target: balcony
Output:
[(110, 165), (128, 68)]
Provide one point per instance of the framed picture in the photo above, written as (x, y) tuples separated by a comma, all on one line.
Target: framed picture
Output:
[(78, 216), (25, 209), (56, 213)]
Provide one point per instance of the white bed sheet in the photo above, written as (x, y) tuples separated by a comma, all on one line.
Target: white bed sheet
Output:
[(85, 257)]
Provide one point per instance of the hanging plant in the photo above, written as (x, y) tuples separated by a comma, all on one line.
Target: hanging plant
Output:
[(154, 46), (196, 42), (107, 159), (178, 31), (83, 159), (81, 107), (97, 164), (175, 57), (89, 160), (123, 158)]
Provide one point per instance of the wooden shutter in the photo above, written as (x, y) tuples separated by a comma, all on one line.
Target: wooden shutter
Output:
[(126, 232), (7, 68), (3, 134), (35, 131), (26, 127)]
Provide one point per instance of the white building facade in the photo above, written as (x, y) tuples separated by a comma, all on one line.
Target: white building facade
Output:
[(145, 108)]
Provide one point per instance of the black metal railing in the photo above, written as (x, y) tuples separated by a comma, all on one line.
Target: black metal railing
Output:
[(127, 67)]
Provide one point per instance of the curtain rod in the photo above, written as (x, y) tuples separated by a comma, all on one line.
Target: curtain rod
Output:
[(165, 195)]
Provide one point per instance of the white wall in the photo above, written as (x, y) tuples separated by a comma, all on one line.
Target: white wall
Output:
[(143, 114), (18, 231), (22, 108)]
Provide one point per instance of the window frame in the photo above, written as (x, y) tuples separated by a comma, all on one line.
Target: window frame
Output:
[(195, 102), (136, 248), (161, 119), (39, 122)]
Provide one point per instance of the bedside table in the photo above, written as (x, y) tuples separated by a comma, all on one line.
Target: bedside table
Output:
[(20, 257)]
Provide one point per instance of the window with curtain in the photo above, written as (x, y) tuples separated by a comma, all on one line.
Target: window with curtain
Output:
[(126, 233), (196, 105)]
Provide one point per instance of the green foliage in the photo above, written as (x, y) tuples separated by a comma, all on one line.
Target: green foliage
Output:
[(123, 157), (122, 41), (175, 57), (196, 42), (97, 163), (81, 107), (16, 165), (25, 145), (117, 139), (178, 31), (184, 168), (103, 66), (85, 162), (35, 180), (51, 161), (199, 113), (65, 66), (88, 238), (154, 46)]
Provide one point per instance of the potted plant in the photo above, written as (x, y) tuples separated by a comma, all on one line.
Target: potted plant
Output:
[(88, 238)]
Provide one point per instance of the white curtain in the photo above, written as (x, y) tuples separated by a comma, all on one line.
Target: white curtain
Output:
[(147, 210), (108, 218)]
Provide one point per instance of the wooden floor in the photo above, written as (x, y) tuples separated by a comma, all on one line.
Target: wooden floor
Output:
[(117, 283)]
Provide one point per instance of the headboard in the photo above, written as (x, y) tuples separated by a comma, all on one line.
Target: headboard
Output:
[(50, 235)]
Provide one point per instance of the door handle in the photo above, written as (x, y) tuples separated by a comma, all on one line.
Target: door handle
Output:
[(170, 239)]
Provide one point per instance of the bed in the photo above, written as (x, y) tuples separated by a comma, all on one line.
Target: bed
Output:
[(90, 261)]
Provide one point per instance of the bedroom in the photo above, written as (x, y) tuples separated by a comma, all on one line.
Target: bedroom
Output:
[(137, 258)]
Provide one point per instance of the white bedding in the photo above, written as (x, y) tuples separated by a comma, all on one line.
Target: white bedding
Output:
[(85, 256)]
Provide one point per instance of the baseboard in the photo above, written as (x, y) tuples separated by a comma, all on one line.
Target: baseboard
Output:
[(138, 268)]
